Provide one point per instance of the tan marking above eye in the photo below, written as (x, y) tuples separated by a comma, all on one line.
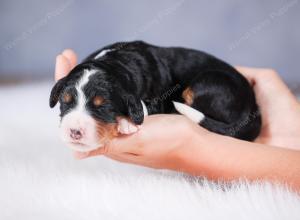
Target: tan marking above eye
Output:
[(98, 100), (67, 98), (188, 96)]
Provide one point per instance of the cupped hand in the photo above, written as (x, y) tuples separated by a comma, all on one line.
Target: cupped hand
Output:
[(279, 108), (156, 144)]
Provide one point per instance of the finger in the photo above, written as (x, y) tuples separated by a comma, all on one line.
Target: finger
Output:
[(71, 56), (247, 72), (126, 158), (134, 159), (62, 67), (261, 75), (267, 81), (123, 157), (267, 78), (80, 155), (118, 145), (97, 152)]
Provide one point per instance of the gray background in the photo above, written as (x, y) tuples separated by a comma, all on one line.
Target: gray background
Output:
[(253, 33)]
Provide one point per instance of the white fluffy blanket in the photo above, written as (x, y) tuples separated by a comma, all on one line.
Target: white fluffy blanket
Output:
[(39, 179)]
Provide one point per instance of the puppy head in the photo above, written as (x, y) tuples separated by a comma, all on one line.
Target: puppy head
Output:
[(91, 101)]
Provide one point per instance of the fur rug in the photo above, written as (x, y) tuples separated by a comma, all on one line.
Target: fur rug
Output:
[(39, 179)]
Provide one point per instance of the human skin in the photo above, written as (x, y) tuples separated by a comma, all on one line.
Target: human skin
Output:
[(174, 142)]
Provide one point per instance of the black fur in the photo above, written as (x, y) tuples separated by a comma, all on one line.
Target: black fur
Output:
[(137, 71)]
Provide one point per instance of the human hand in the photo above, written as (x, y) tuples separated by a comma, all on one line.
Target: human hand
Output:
[(64, 63), (158, 143), (280, 109)]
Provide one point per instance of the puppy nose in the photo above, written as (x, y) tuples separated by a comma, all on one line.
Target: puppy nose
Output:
[(76, 134)]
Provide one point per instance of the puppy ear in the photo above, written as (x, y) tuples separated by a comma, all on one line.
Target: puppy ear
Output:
[(56, 91), (135, 109)]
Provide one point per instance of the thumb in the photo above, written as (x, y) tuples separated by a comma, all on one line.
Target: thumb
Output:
[(62, 67), (81, 155)]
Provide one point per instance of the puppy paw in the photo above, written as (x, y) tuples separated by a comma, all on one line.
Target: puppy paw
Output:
[(126, 127)]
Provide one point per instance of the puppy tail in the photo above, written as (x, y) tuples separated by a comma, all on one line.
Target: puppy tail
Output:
[(191, 113), (201, 119), (237, 129)]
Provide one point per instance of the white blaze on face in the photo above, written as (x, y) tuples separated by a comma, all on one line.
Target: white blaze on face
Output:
[(79, 119)]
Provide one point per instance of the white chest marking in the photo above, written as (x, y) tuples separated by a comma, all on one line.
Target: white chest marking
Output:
[(102, 53)]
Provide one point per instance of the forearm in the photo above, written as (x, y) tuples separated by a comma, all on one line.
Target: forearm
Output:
[(220, 157)]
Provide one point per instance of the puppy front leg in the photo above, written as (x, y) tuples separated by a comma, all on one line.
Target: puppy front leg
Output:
[(125, 126)]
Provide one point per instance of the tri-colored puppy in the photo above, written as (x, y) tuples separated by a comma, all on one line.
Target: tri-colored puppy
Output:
[(113, 89)]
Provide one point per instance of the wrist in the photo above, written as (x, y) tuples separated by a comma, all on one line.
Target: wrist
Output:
[(206, 154), (194, 153)]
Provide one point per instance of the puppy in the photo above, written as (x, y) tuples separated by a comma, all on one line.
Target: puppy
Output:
[(114, 88)]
